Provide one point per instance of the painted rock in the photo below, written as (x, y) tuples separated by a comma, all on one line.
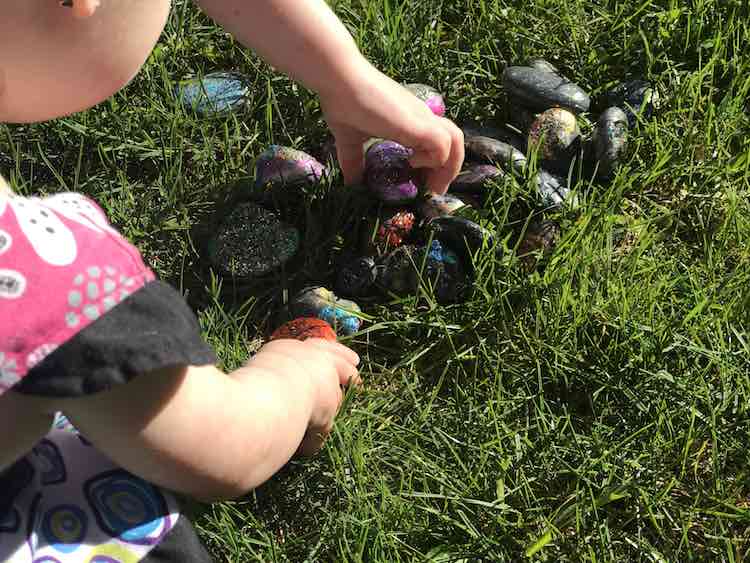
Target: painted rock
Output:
[(388, 173), (252, 242), (635, 97), (215, 93), (503, 134), (540, 90), (438, 205), (322, 303), (475, 178), (304, 328), (284, 166), (430, 96), (493, 151), (402, 272), (460, 234), (552, 189), (395, 227), (356, 278), (544, 65), (541, 238), (610, 141), (519, 116), (556, 137)]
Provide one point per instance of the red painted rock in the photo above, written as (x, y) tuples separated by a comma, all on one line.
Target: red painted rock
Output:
[(304, 328), (396, 227)]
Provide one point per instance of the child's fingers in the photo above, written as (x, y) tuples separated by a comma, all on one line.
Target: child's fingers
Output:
[(344, 359), (351, 157)]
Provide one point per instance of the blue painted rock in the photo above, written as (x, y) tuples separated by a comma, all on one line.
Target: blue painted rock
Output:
[(540, 90), (251, 242), (475, 178), (610, 141), (430, 96), (493, 151), (279, 166), (438, 205), (215, 93), (540, 240), (460, 234), (341, 314), (356, 277), (637, 98), (408, 267), (388, 174), (552, 189), (556, 137)]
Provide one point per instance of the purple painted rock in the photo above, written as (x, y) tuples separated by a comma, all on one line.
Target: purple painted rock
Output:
[(540, 90), (284, 166), (388, 174), (556, 137), (430, 96), (610, 141), (475, 178), (493, 151), (438, 205)]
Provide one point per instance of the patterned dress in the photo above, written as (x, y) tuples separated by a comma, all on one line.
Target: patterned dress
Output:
[(79, 314)]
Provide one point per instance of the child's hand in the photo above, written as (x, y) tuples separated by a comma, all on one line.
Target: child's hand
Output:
[(379, 107), (325, 366)]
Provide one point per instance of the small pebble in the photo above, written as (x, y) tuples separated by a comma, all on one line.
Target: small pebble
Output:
[(215, 93), (388, 174), (303, 328), (556, 137), (252, 242), (279, 166), (540, 90), (430, 96)]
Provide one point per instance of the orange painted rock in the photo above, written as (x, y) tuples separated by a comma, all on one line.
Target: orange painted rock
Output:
[(304, 328)]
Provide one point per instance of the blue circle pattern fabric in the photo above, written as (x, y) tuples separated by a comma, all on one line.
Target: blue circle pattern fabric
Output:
[(81, 508)]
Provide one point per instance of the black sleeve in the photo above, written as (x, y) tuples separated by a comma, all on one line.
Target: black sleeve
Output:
[(152, 329)]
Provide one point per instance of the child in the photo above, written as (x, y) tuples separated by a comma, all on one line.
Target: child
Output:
[(86, 329)]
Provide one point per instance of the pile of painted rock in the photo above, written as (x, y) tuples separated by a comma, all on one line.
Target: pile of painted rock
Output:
[(419, 240)]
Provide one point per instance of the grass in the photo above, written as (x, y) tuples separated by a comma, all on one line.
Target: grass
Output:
[(595, 410)]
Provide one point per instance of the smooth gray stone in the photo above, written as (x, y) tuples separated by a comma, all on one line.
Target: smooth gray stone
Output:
[(540, 90), (493, 151)]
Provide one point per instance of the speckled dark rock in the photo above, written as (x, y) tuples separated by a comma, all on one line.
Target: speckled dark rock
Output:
[(492, 151), (356, 277), (540, 90), (436, 205), (388, 174), (279, 166), (475, 178), (540, 238), (322, 303), (215, 93), (429, 96), (460, 234), (553, 190), (556, 137), (634, 97), (251, 242), (406, 268), (610, 141)]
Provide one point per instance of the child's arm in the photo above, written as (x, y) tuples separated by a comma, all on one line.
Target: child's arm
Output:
[(306, 40), (213, 436)]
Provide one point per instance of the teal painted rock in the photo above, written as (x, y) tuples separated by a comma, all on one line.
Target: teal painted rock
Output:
[(251, 242), (429, 96), (610, 141), (492, 151), (637, 98), (388, 174), (556, 138), (341, 314), (404, 270), (216, 93), (279, 166), (540, 90), (475, 178), (436, 205)]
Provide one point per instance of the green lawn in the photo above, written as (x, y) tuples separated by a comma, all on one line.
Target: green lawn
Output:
[(593, 411)]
